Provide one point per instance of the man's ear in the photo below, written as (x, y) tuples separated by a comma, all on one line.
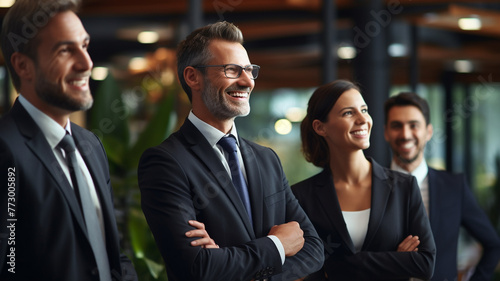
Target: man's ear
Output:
[(193, 78), (430, 132), (23, 66), (386, 135), (318, 127)]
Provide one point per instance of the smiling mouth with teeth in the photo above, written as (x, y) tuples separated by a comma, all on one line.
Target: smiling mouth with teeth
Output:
[(238, 94), (360, 133), (78, 83)]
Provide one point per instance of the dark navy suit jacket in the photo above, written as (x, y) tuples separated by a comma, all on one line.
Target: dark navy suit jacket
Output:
[(183, 179), (396, 212), (50, 238), (451, 205)]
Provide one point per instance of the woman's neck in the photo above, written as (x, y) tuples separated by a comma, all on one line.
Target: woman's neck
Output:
[(350, 168)]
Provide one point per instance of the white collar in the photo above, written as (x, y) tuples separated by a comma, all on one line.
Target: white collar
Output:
[(52, 131), (420, 172), (212, 134)]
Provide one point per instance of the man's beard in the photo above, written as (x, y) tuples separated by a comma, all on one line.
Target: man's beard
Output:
[(53, 95), (408, 161), (217, 105)]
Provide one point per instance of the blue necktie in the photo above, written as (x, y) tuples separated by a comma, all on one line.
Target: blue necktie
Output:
[(81, 188), (229, 145)]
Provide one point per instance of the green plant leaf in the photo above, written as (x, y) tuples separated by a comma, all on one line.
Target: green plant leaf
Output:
[(108, 119), (154, 268), (156, 131)]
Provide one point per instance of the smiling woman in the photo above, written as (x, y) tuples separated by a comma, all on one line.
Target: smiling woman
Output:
[(373, 216)]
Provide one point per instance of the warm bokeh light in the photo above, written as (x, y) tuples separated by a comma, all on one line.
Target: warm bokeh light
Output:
[(99, 73), (346, 52), (295, 114), (6, 3), (138, 64), (148, 37), (471, 23), (463, 66), (283, 126)]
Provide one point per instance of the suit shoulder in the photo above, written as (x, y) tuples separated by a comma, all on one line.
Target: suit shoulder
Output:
[(308, 184), (256, 146), (445, 174), (171, 144), (83, 132), (7, 126), (172, 147), (86, 137), (264, 152)]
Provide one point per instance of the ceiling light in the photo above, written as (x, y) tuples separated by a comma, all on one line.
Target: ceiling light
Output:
[(6, 3), (148, 37), (463, 66), (470, 23), (346, 52), (397, 50)]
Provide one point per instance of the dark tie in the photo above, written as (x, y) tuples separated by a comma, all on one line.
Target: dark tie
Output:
[(81, 188), (229, 145)]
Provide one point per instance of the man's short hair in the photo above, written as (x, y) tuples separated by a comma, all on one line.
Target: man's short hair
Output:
[(408, 99), (22, 24), (194, 50)]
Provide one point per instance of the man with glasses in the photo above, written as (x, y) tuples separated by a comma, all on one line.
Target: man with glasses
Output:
[(204, 179)]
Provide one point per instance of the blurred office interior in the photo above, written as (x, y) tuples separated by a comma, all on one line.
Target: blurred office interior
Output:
[(446, 51)]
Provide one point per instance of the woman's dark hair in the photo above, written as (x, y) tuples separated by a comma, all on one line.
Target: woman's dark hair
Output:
[(314, 146)]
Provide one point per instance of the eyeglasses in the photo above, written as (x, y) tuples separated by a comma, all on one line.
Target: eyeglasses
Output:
[(233, 71)]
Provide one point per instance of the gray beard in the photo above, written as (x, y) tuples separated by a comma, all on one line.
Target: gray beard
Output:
[(216, 105)]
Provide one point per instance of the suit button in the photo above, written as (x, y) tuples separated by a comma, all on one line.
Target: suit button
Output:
[(95, 271)]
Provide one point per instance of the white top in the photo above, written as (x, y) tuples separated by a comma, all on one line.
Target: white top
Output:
[(357, 226)]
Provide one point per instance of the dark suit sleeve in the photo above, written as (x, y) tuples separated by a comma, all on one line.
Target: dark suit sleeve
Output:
[(478, 225), (310, 258), (168, 203), (392, 264)]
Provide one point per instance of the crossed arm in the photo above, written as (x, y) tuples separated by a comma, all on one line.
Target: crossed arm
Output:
[(289, 234)]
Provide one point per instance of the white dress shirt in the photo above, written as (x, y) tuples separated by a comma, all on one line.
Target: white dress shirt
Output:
[(54, 133), (213, 136), (420, 173)]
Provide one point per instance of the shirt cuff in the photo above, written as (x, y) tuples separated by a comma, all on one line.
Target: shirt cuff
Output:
[(279, 246)]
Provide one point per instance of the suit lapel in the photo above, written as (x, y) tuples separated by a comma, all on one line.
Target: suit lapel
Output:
[(380, 195), (39, 146), (433, 181), (98, 174), (204, 152), (96, 171), (330, 204)]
